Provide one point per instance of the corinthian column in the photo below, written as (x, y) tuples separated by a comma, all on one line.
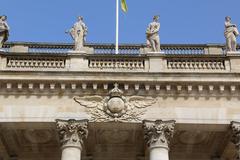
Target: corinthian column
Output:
[(72, 133), (236, 136), (158, 135)]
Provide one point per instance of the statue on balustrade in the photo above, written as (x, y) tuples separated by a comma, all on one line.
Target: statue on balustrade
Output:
[(78, 33), (152, 33), (230, 33), (4, 30)]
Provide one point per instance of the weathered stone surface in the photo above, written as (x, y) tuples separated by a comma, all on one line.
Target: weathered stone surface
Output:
[(19, 48), (158, 133), (236, 136), (115, 107), (72, 132)]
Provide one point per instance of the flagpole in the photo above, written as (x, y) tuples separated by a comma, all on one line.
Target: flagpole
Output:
[(117, 27)]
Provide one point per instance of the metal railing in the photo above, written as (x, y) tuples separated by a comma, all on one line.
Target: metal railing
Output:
[(183, 49), (124, 49)]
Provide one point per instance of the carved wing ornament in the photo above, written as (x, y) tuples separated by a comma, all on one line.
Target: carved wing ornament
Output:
[(90, 101), (115, 107), (140, 101)]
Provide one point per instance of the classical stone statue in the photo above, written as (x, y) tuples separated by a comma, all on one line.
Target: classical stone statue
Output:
[(78, 33), (4, 30), (153, 39), (230, 33)]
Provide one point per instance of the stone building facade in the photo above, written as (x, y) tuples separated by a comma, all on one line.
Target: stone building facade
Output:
[(94, 105)]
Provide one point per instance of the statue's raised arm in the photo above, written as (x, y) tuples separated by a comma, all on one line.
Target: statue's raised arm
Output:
[(4, 30)]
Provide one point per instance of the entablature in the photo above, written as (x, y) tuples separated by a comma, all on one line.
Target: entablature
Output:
[(156, 84), (180, 68)]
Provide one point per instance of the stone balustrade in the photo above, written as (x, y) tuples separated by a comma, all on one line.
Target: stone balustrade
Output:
[(132, 63), (196, 63), (35, 62), (132, 58), (206, 71)]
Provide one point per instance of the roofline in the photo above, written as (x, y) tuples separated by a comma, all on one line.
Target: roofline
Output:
[(109, 44)]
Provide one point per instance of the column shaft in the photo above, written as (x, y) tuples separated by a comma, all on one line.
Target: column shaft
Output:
[(159, 153), (71, 153)]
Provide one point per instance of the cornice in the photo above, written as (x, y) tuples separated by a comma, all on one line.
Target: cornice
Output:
[(143, 88)]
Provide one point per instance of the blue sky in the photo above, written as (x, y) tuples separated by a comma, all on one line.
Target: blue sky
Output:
[(182, 21)]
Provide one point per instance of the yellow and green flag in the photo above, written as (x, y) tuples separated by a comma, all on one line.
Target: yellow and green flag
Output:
[(124, 5)]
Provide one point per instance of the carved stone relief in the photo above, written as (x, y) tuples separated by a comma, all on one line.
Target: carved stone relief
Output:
[(158, 133), (115, 107), (72, 132), (235, 126)]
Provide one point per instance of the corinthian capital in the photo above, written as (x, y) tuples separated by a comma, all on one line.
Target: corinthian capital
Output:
[(72, 132), (158, 133), (235, 126)]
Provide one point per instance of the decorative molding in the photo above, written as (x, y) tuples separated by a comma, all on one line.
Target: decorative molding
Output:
[(115, 107), (72, 132), (145, 89), (235, 126), (158, 133)]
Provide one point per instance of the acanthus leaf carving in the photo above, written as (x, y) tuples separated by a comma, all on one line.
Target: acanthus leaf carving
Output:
[(72, 132), (158, 133), (235, 126)]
